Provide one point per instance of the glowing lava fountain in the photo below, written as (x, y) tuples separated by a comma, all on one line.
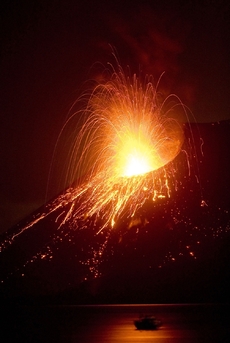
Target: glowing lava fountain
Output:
[(124, 145)]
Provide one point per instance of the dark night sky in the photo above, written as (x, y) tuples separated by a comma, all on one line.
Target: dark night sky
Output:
[(48, 49)]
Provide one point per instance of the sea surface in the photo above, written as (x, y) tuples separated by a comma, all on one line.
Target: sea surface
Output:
[(114, 323)]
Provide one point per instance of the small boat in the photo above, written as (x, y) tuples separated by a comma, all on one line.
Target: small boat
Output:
[(147, 323)]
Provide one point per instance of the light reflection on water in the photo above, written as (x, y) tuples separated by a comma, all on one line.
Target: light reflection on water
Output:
[(113, 324), (180, 324)]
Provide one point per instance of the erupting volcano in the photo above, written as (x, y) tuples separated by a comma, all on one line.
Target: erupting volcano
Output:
[(123, 142), (124, 146)]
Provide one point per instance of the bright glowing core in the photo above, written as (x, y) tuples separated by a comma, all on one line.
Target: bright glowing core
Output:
[(136, 165), (134, 157)]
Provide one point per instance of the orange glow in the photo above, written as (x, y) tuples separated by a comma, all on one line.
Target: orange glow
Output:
[(124, 146)]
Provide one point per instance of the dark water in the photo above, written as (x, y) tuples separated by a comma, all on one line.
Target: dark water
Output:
[(91, 324)]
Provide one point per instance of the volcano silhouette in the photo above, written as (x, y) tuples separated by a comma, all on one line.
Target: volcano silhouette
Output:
[(171, 251)]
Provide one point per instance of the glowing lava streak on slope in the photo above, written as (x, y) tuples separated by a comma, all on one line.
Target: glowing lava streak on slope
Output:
[(124, 147)]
